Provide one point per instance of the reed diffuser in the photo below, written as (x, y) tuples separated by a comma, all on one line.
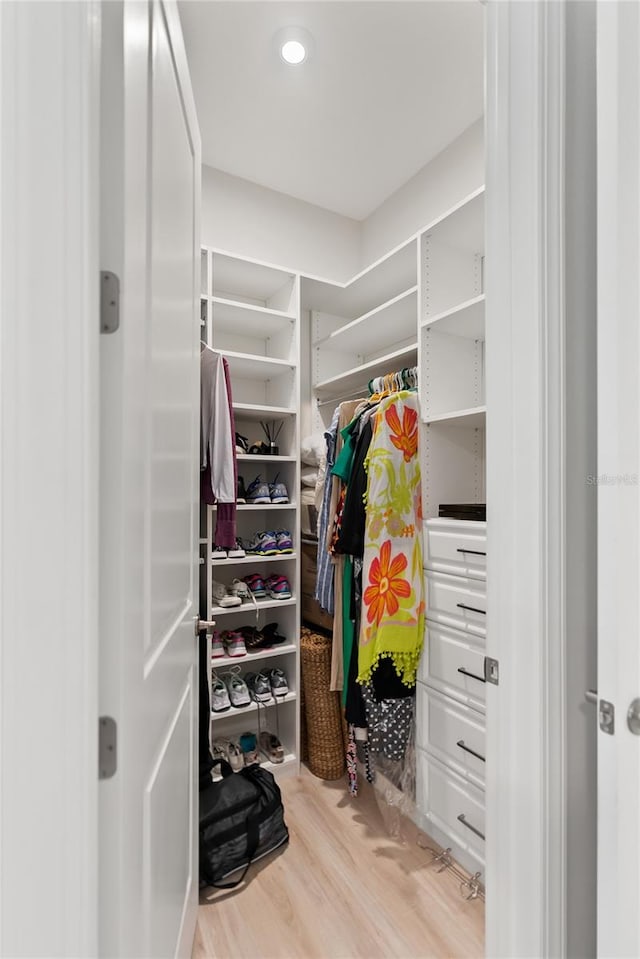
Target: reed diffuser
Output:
[(272, 432)]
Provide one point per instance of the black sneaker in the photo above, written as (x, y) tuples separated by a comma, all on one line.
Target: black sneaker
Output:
[(241, 493)]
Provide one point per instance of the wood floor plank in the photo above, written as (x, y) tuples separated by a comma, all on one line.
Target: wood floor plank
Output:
[(344, 888)]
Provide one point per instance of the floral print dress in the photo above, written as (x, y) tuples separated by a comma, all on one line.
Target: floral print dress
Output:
[(393, 610)]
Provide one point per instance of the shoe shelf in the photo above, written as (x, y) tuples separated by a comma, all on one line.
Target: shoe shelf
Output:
[(248, 608), (254, 559), (274, 767), (262, 506), (264, 458), (258, 656), (253, 707), (251, 311)]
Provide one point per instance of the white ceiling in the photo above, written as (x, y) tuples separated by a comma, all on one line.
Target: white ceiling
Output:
[(389, 85)]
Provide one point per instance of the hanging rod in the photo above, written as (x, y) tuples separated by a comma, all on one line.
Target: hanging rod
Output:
[(470, 885), (362, 393)]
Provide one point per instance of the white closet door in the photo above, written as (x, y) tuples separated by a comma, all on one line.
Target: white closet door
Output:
[(149, 471), (618, 471)]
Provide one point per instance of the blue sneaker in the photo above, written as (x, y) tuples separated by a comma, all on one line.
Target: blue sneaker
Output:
[(263, 544), (284, 543), (258, 492), (278, 493)]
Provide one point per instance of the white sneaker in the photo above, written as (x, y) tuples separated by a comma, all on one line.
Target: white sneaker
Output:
[(237, 551), (220, 701), (218, 554), (237, 688), (223, 597)]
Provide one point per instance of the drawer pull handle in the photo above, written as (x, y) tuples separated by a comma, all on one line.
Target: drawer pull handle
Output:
[(476, 552), (467, 749), (465, 672), (473, 609), (462, 819)]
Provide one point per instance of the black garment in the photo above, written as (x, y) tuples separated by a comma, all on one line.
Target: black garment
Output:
[(354, 516), (387, 684), (205, 760), (355, 712)]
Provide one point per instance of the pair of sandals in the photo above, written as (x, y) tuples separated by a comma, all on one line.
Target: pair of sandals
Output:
[(255, 638)]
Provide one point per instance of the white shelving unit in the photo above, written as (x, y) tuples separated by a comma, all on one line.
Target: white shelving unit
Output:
[(451, 344), (251, 315), (364, 328), (450, 751)]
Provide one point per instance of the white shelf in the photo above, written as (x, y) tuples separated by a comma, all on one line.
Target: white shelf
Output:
[(263, 458), (466, 320), (462, 227), (253, 657), (257, 321), (359, 376), (251, 365), (236, 711), (289, 758), (248, 609), (387, 277), (389, 323), (475, 417), (262, 506), (251, 559), (249, 278), (243, 410)]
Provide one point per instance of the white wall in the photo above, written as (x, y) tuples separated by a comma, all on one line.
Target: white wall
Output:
[(250, 220), (454, 173)]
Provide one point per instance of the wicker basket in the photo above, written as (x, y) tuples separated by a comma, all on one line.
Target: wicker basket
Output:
[(323, 709)]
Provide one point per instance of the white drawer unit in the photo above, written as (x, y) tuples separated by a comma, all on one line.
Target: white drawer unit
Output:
[(454, 807), (452, 733), (457, 601), (453, 663), (456, 547)]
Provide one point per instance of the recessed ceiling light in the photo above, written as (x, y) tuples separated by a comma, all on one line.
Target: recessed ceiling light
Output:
[(294, 45), (292, 51)]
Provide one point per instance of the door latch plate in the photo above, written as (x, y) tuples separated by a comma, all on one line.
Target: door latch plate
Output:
[(491, 670), (607, 717)]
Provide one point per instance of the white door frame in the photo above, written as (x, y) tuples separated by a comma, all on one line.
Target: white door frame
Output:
[(617, 473), (49, 479), (540, 282), (49, 108)]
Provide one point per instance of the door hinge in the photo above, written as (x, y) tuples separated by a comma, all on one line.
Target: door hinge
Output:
[(109, 302), (491, 670), (107, 747)]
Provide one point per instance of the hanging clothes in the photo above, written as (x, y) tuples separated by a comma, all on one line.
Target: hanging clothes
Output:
[(347, 411), (324, 576), (218, 483), (393, 612)]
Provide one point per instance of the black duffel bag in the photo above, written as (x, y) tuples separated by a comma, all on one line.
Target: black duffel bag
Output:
[(241, 820)]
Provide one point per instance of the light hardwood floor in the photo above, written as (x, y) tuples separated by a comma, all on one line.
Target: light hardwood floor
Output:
[(341, 888)]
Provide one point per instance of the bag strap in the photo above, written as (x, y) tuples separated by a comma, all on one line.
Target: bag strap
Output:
[(253, 838)]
